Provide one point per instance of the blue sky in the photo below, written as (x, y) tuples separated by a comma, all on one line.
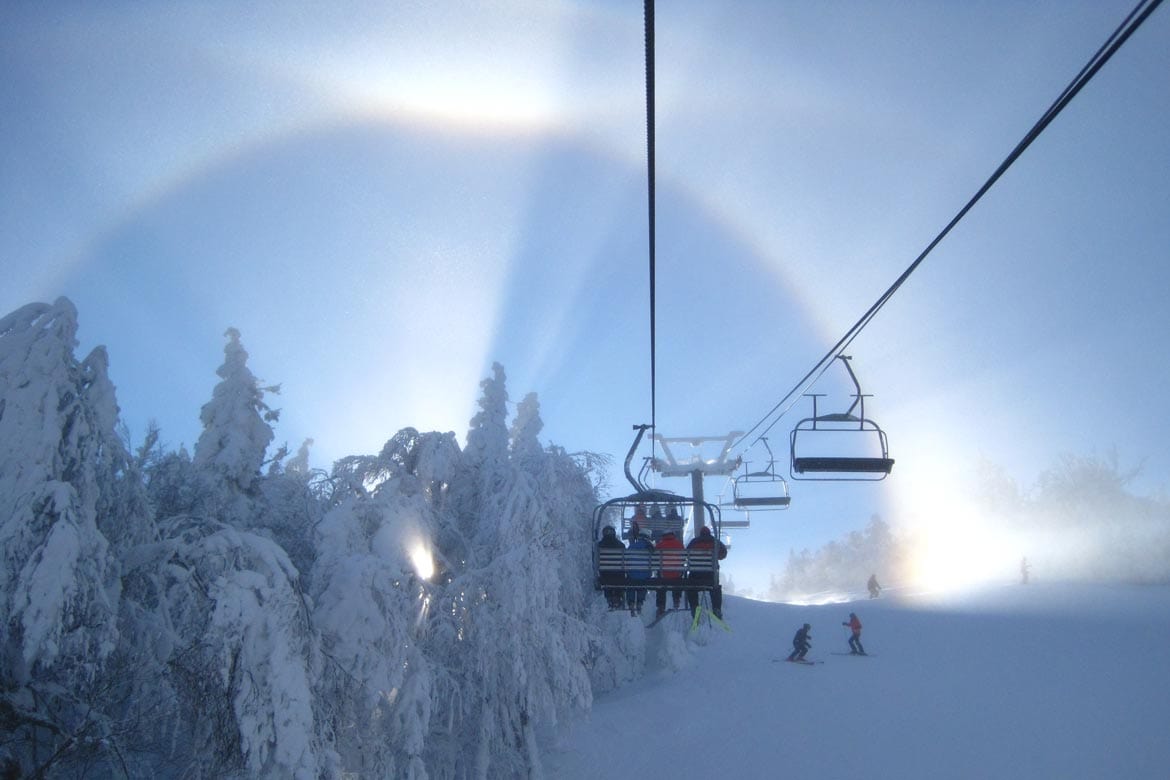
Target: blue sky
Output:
[(385, 199)]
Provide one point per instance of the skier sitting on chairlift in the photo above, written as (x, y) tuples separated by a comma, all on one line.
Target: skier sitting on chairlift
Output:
[(672, 558), (609, 540), (635, 597), (706, 541)]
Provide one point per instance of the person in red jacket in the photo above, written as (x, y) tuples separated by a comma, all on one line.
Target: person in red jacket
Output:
[(671, 548), (706, 541), (854, 624)]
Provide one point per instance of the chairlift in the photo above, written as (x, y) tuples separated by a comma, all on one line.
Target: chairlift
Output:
[(815, 443), (666, 568), (764, 490)]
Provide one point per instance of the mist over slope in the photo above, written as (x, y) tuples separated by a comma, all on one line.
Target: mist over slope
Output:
[(1037, 681)]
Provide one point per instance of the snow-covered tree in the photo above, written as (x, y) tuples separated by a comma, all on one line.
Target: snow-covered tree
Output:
[(1083, 520), (508, 624), (241, 656), (374, 604), (299, 463), (486, 458), (236, 429), (421, 613), (487, 439), (841, 565), (59, 587), (526, 428)]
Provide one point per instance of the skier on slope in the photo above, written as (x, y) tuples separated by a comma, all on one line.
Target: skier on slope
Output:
[(854, 624), (801, 643), (874, 588)]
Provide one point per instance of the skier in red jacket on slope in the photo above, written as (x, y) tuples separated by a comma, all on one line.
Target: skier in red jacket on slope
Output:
[(854, 624)]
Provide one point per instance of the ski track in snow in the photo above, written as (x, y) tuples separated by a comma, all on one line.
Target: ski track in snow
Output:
[(1043, 681)]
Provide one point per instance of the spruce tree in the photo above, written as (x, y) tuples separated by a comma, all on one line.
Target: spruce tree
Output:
[(59, 588), (236, 429)]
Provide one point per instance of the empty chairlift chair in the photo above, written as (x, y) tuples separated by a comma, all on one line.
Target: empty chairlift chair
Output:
[(841, 446), (762, 490)]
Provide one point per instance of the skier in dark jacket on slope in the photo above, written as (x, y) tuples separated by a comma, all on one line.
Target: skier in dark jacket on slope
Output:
[(801, 643)]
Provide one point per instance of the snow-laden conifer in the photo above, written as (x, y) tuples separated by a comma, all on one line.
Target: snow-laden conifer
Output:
[(236, 429), (526, 428), (486, 459), (243, 659), (506, 623), (373, 600), (64, 479), (58, 581)]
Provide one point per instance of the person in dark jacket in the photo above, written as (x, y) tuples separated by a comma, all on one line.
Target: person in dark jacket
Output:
[(874, 588), (706, 541), (613, 596), (854, 624), (801, 643), (638, 571)]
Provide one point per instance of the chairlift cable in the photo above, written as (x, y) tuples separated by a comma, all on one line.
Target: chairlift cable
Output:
[(1119, 36), (649, 30)]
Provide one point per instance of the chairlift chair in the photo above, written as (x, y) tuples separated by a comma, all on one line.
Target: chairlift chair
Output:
[(763, 490), (815, 443), (668, 568)]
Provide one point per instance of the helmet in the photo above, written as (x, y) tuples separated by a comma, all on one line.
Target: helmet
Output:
[(806, 625), (608, 531)]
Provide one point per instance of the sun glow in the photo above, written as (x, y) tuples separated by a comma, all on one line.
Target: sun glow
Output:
[(954, 541), (960, 553), (423, 562)]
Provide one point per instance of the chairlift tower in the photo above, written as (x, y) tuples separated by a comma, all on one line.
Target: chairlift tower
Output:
[(697, 463)]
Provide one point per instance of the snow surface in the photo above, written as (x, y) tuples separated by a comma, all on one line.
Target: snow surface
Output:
[(1037, 681)]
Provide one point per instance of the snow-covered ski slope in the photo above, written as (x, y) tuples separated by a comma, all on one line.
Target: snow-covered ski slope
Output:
[(1037, 681)]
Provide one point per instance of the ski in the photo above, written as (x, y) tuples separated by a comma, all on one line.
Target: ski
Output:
[(862, 655), (700, 611), (719, 620), (804, 662)]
